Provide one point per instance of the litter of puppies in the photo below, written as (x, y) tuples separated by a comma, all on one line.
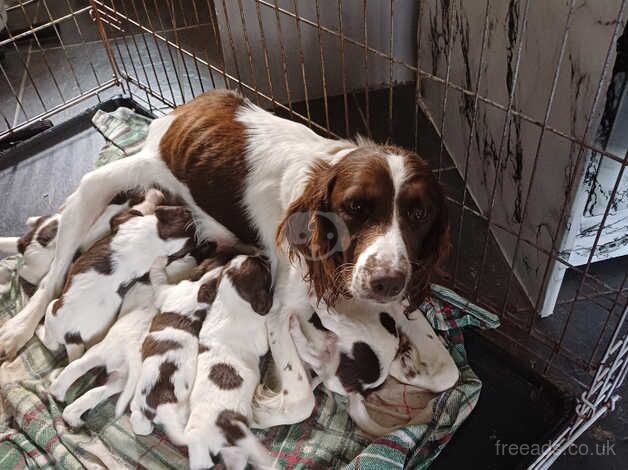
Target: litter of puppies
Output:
[(180, 329)]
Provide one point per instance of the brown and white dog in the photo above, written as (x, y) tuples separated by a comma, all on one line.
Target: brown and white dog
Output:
[(362, 219)]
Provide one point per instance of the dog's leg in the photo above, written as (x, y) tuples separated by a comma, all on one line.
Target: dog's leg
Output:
[(81, 209), (90, 399), (74, 371), (8, 245)]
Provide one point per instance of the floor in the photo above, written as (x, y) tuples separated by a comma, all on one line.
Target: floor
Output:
[(65, 62)]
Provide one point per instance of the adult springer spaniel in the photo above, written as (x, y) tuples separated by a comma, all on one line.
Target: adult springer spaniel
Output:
[(362, 219)]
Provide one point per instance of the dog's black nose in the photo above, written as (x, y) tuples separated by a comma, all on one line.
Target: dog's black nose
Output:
[(389, 284)]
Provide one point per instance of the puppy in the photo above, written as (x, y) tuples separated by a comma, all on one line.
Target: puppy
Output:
[(350, 347), (37, 246), (232, 340), (100, 277), (119, 353), (170, 349)]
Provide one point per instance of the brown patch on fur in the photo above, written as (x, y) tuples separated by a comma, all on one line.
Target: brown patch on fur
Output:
[(155, 347), (47, 233), (227, 422), (98, 258), (207, 291), (150, 415), (316, 321), (253, 282), (202, 348), (225, 376), (132, 196), (174, 320), (204, 147), (174, 222), (73, 338), (360, 370), (28, 288), (163, 390), (388, 322), (27, 238), (405, 354)]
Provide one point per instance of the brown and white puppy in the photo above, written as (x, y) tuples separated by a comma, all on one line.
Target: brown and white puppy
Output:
[(119, 353), (231, 342), (37, 245), (353, 352), (170, 349), (100, 276)]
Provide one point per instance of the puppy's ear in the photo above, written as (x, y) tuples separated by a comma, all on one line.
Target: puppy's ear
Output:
[(32, 221), (174, 222), (433, 255), (253, 282), (304, 229)]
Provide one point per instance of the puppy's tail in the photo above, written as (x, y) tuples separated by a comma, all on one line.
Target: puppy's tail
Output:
[(8, 245), (128, 391)]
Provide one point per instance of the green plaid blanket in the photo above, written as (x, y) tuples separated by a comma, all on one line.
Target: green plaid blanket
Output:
[(33, 434)]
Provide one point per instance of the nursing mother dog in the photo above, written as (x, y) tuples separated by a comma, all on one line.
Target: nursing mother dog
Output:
[(358, 219)]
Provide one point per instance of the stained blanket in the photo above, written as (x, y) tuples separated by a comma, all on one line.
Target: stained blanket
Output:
[(33, 434)]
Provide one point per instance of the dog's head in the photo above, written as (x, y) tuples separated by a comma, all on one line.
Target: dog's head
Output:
[(251, 278), (372, 225)]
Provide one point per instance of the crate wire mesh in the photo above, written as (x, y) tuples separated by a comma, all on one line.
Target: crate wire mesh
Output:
[(394, 70)]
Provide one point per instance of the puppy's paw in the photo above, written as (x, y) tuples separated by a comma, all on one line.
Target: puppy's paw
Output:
[(72, 415), (140, 424)]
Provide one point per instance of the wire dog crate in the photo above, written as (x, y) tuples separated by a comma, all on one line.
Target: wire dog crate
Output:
[(522, 132)]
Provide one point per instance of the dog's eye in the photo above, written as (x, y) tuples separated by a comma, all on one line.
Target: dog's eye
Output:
[(418, 214), (356, 207)]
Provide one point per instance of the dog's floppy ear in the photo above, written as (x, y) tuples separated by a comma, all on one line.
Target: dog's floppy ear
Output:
[(434, 252), (304, 229)]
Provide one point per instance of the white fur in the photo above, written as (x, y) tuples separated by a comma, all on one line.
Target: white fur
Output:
[(235, 335), (118, 352), (181, 299), (133, 248)]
